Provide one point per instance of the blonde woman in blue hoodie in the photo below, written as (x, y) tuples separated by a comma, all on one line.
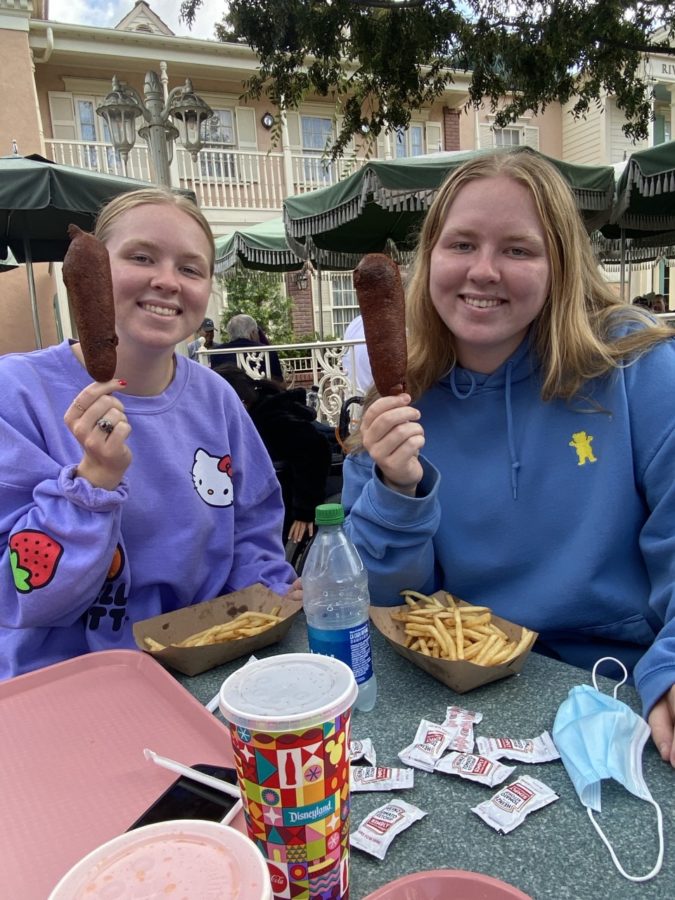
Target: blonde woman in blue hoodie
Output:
[(530, 465)]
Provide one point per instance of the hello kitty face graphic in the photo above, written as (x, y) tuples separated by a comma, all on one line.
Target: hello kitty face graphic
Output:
[(212, 478)]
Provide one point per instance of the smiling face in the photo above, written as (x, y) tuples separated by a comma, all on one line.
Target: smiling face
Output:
[(160, 261), (490, 272)]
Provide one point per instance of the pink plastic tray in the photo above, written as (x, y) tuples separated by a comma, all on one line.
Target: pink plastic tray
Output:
[(72, 771)]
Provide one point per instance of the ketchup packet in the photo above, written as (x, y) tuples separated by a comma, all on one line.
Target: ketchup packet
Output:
[(460, 723), (532, 750), (380, 827), (508, 808), (474, 768), (431, 741), (380, 778), (362, 750)]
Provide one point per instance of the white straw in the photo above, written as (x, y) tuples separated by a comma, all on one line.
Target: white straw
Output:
[(192, 774), (212, 705)]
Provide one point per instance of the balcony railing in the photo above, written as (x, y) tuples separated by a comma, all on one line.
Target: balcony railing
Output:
[(303, 365), (221, 179)]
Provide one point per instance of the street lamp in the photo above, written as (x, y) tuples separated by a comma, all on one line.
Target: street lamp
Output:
[(123, 105)]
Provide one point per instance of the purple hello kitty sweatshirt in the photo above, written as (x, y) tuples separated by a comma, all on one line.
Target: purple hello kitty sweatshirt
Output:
[(199, 512)]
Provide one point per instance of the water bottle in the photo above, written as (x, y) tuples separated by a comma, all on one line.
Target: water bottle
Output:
[(336, 601)]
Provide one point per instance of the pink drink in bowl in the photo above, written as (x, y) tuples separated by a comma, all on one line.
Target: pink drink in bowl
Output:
[(187, 858), (289, 719)]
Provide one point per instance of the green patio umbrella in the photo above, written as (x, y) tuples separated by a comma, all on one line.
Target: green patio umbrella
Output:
[(645, 195), (38, 200), (264, 248), (641, 230), (387, 201)]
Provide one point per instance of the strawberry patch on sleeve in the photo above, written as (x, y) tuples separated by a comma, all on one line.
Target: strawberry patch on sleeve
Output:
[(34, 556)]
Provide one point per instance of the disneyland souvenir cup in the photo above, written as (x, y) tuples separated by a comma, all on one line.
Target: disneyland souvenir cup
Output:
[(289, 721)]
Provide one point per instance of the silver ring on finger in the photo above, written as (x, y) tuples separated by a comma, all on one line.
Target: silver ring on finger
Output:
[(105, 425)]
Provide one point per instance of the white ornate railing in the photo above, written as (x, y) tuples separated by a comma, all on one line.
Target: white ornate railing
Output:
[(100, 157), (321, 363), (232, 179), (221, 179)]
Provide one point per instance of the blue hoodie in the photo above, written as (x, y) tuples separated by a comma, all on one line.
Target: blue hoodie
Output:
[(559, 516)]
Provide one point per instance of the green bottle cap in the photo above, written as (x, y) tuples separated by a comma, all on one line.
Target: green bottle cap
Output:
[(329, 514)]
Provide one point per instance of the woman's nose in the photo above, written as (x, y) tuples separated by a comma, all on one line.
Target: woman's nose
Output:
[(164, 277), (484, 266)]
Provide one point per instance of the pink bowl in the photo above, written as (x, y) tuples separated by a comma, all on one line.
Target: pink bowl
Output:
[(437, 883)]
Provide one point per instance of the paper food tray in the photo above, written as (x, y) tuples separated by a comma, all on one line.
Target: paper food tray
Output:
[(460, 676), (73, 773), (180, 624)]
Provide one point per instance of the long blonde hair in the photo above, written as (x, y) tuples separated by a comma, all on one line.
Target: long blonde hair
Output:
[(154, 196), (573, 335)]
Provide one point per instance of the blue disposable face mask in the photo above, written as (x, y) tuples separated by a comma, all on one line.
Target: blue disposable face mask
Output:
[(599, 737)]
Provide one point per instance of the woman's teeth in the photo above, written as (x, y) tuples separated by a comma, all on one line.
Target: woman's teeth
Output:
[(482, 302), (160, 310)]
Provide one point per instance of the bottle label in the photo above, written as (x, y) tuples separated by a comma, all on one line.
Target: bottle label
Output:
[(350, 645)]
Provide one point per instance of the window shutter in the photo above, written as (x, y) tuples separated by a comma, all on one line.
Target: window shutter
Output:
[(247, 143), (487, 136), (294, 136), (350, 149), (433, 137), (531, 137), (383, 145), (62, 113)]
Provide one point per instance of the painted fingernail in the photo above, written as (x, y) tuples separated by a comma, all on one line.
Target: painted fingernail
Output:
[(121, 382)]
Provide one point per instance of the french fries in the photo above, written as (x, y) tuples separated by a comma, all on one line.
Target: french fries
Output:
[(447, 630), (244, 625)]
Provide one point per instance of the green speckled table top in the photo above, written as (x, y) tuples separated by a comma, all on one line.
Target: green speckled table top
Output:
[(555, 853)]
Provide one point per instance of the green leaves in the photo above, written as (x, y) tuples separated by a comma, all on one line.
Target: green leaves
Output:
[(381, 59)]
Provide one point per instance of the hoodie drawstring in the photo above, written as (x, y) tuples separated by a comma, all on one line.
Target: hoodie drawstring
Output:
[(515, 464), (455, 387), (470, 390)]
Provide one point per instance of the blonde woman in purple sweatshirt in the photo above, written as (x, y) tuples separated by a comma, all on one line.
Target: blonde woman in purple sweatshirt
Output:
[(137, 496)]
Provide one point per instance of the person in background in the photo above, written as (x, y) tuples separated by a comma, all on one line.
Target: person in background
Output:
[(301, 454), (243, 331), (361, 377), (204, 340), (141, 495), (538, 406), (658, 304)]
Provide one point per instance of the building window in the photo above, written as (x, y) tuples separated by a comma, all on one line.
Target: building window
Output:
[(93, 128), (409, 142), (218, 136), (317, 134), (507, 137), (345, 305)]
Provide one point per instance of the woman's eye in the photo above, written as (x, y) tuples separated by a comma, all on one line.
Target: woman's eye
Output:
[(191, 270), (462, 246), (518, 251), (140, 257)]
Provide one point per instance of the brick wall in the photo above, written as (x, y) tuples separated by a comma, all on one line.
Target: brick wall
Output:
[(302, 312), (451, 129)]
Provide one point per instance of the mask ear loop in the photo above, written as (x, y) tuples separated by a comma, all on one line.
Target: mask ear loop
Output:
[(618, 684), (659, 859), (659, 814)]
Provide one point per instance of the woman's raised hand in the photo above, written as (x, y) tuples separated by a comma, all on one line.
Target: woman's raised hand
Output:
[(97, 420), (393, 436)]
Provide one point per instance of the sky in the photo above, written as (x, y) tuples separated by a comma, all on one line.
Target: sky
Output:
[(107, 13)]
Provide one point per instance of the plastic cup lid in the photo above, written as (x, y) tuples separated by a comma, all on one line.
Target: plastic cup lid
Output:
[(182, 858), (288, 692)]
